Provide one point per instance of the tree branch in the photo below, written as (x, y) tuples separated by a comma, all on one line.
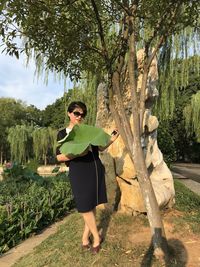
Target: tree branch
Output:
[(149, 58), (101, 33), (116, 83)]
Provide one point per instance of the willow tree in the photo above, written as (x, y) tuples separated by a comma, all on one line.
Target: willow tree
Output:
[(74, 36), (12, 113), (86, 91), (20, 140), (44, 141), (192, 116), (179, 62)]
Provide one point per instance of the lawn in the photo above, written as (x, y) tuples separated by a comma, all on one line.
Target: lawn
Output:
[(127, 239)]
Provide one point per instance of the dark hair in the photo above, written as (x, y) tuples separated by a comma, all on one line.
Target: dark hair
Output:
[(77, 104)]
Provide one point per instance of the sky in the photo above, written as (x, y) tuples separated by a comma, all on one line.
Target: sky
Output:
[(19, 82)]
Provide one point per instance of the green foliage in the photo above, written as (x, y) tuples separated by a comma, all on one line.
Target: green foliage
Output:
[(73, 37), (44, 141), (29, 202), (11, 112), (32, 165), (15, 112), (178, 73), (28, 141), (186, 146), (20, 140), (86, 92), (54, 114), (14, 171), (166, 143), (192, 116), (33, 116)]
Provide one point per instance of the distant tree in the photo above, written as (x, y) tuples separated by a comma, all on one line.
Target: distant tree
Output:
[(192, 116), (33, 116), (54, 114), (11, 114), (178, 122), (20, 140), (44, 142), (15, 112)]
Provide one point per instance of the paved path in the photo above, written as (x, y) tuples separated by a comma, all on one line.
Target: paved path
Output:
[(188, 174)]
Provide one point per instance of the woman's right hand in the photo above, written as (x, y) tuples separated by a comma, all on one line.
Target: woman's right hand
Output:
[(114, 135)]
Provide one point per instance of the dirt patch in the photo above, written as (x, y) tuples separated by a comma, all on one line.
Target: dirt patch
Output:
[(184, 244)]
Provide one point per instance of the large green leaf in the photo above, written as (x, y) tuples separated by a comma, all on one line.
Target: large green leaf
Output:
[(81, 136)]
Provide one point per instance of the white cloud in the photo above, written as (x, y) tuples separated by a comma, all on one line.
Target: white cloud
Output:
[(19, 82)]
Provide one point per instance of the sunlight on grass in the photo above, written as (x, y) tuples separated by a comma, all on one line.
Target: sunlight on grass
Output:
[(189, 203), (64, 247)]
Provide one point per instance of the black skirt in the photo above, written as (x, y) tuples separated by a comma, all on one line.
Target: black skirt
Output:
[(87, 178)]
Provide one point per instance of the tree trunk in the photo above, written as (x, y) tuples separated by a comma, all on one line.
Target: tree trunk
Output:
[(158, 235), (157, 229), (45, 159), (153, 212)]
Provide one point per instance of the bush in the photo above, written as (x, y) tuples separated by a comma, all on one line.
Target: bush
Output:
[(33, 165), (166, 144), (29, 203)]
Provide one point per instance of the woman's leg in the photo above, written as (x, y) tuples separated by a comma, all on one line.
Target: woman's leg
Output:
[(86, 234), (90, 221)]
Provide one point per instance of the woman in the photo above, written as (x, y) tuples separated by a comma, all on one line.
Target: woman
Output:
[(87, 177)]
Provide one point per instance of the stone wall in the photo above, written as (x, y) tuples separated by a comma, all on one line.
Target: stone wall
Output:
[(43, 170), (47, 170)]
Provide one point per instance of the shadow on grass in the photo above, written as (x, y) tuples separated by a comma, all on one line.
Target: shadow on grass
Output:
[(104, 220), (177, 254)]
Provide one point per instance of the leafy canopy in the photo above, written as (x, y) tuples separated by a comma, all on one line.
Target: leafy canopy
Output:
[(75, 35)]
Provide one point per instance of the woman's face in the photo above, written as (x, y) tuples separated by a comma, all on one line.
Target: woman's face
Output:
[(76, 116)]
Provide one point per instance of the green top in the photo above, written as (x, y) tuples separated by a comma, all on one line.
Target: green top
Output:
[(81, 137)]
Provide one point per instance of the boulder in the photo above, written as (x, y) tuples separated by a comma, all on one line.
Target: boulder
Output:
[(123, 188)]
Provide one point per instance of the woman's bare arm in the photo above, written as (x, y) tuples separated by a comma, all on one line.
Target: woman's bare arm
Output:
[(62, 157)]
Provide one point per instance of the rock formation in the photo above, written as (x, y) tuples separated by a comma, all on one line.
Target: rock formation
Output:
[(119, 166)]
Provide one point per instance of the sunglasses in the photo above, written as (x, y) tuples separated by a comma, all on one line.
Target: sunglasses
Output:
[(77, 114)]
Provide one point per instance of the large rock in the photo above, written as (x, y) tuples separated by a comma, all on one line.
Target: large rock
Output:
[(126, 193)]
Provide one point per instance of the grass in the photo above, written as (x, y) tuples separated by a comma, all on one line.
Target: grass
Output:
[(189, 203), (119, 248), (63, 248)]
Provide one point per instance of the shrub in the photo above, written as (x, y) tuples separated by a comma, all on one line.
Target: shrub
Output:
[(29, 202)]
